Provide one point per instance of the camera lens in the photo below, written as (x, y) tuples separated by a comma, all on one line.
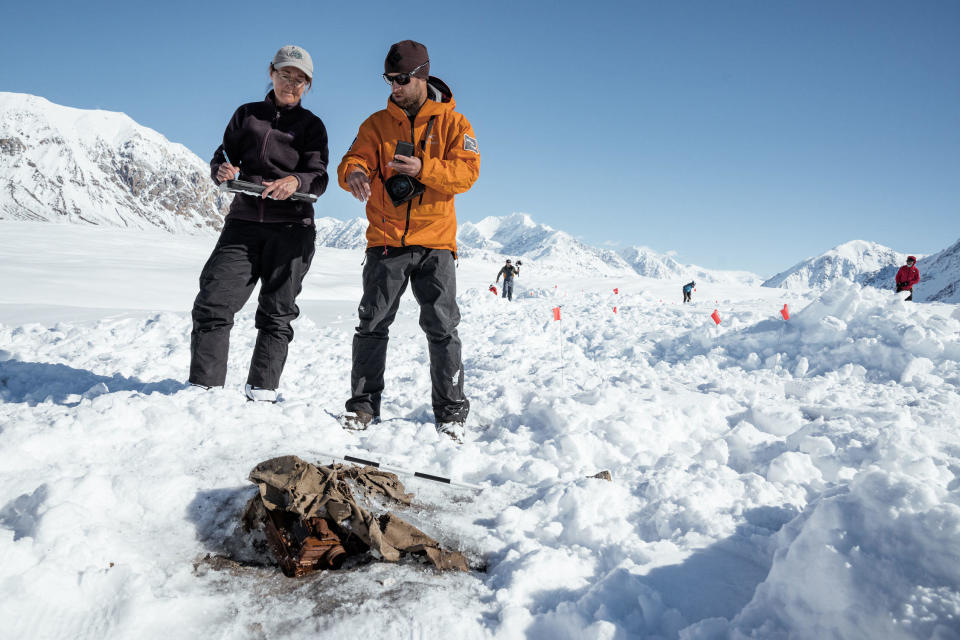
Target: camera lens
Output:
[(400, 188)]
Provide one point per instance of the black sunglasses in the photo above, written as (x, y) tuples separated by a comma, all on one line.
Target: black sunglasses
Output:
[(403, 78)]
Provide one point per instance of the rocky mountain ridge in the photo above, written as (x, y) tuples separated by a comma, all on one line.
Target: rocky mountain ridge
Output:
[(60, 164)]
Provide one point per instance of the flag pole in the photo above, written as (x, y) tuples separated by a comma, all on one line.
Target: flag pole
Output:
[(556, 318), (562, 380)]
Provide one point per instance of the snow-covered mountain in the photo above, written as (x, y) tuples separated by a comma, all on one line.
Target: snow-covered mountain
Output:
[(861, 261), (940, 276), (874, 265), (651, 264), (518, 236), (341, 234), (62, 164)]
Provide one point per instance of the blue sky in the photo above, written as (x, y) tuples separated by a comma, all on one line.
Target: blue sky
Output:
[(738, 134)]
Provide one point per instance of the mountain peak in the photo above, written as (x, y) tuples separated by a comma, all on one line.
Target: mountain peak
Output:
[(65, 164), (519, 236), (862, 261)]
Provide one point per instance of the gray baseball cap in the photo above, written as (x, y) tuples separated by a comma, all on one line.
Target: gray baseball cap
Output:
[(293, 56)]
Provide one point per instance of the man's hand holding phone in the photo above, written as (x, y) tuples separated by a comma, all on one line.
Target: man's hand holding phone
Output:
[(404, 160)]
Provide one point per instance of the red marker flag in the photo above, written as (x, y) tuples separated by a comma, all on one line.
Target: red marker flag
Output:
[(556, 313), (715, 316), (614, 309), (785, 312), (616, 290)]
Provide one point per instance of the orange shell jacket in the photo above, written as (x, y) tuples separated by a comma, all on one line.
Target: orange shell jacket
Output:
[(451, 164)]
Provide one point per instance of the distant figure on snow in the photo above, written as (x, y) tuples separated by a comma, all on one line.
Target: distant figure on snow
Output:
[(688, 291), (267, 239), (508, 272), (907, 276)]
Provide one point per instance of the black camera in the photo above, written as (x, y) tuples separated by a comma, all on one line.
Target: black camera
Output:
[(402, 188)]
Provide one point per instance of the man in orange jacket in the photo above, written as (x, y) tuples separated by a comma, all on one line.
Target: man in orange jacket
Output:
[(407, 163)]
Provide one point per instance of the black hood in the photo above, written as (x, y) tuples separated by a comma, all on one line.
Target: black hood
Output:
[(438, 91)]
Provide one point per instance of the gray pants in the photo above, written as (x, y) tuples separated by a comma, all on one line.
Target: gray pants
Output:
[(508, 289), (433, 278), (277, 255)]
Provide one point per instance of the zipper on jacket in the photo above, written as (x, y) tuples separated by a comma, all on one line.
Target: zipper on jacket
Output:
[(383, 227), (406, 227), (403, 238), (263, 150)]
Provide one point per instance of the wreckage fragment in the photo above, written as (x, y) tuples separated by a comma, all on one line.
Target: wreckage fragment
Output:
[(302, 545), (312, 520)]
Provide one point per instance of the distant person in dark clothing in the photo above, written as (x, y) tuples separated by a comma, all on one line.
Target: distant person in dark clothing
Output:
[(688, 291), (266, 239), (907, 276), (508, 272)]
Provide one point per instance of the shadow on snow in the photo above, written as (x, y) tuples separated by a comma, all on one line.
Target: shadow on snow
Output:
[(37, 382)]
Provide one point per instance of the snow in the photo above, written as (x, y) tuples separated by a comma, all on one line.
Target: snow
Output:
[(940, 275), (62, 164), (859, 260), (872, 264), (771, 479), (541, 247)]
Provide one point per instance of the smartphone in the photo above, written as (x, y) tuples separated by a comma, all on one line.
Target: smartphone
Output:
[(404, 148)]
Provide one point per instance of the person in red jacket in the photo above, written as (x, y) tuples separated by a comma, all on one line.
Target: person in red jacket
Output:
[(907, 276)]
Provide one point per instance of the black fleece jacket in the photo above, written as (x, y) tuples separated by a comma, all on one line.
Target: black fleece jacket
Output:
[(267, 142)]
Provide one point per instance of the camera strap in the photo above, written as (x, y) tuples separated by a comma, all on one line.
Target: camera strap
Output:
[(426, 135), (423, 146)]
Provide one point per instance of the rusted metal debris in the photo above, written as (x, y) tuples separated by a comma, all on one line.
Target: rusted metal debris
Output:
[(302, 545)]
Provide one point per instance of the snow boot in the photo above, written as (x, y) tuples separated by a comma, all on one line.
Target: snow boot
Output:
[(455, 430), (258, 394), (357, 420)]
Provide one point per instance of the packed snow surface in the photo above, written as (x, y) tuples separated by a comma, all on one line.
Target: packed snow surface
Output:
[(771, 478)]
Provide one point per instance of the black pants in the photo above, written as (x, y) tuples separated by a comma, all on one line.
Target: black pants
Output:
[(278, 256), (433, 278), (909, 298), (508, 289), (687, 296)]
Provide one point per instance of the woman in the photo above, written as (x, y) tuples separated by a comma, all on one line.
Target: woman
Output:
[(268, 238)]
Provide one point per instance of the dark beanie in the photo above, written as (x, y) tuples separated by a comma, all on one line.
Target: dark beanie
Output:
[(406, 56)]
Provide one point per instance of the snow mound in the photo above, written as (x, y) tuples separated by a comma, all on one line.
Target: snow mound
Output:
[(770, 478), (839, 570)]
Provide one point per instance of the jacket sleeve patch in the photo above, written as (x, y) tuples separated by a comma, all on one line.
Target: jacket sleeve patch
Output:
[(470, 144)]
